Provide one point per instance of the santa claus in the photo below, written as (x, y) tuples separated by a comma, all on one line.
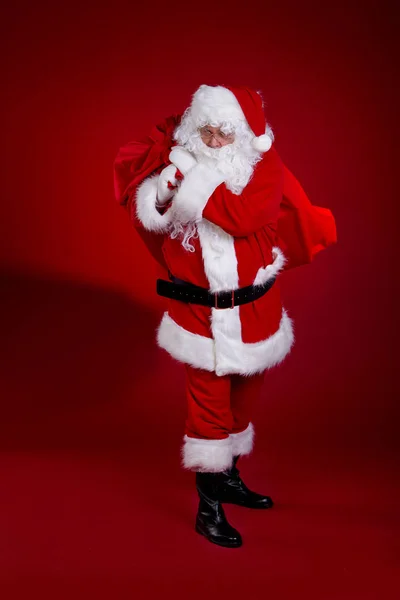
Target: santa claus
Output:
[(214, 210)]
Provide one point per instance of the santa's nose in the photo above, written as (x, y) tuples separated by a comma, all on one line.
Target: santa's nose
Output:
[(213, 143)]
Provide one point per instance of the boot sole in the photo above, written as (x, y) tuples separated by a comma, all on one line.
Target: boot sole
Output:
[(227, 545), (245, 505)]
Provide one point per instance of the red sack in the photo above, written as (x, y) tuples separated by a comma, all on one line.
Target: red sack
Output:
[(303, 229), (137, 160), (134, 163)]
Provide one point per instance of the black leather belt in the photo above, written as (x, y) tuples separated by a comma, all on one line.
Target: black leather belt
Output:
[(177, 289)]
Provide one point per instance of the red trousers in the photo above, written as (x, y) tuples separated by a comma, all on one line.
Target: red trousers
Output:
[(218, 424)]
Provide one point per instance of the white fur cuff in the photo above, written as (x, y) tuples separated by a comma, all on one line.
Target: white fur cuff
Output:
[(243, 442), (146, 211), (207, 456), (194, 192)]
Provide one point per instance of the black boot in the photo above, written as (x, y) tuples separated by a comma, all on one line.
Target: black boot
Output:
[(234, 491), (211, 520)]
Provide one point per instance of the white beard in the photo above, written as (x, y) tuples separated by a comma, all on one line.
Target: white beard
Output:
[(236, 161)]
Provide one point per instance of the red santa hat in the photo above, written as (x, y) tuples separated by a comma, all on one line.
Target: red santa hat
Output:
[(216, 105)]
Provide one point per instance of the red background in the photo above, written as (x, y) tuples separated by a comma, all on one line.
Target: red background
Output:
[(94, 501)]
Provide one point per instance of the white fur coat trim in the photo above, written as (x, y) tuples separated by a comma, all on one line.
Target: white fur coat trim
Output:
[(194, 192), (146, 211), (221, 268), (219, 257), (206, 455), (243, 442), (225, 355), (266, 273), (185, 346), (235, 356)]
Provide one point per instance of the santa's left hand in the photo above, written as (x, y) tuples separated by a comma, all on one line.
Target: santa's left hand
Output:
[(182, 159)]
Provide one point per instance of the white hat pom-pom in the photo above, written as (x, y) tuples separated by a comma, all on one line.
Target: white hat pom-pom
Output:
[(262, 143)]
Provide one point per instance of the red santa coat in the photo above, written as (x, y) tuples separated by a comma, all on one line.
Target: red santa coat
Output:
[(236, 247), (238, 244)]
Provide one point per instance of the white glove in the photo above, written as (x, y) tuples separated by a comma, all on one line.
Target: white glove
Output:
[(164, 193), (182, 159)]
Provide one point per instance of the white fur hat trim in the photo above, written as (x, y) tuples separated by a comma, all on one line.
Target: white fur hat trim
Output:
[(215, 105), (262, 143)]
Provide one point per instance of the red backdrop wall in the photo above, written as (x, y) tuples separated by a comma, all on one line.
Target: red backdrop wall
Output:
[(81, 79)]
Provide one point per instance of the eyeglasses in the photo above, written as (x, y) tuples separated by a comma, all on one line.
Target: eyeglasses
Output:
[(219, 135)]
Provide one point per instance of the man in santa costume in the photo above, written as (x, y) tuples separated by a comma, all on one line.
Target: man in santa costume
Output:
[(211, 208)]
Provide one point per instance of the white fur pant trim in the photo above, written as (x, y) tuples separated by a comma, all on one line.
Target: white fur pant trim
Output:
[(207, 456), (243, 442)]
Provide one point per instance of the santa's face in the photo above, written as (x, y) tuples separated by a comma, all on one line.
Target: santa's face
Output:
[(214, 137), (224, 145)]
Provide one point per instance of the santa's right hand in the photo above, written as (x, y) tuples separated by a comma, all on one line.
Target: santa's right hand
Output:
[(182, 159), (165, 191)]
